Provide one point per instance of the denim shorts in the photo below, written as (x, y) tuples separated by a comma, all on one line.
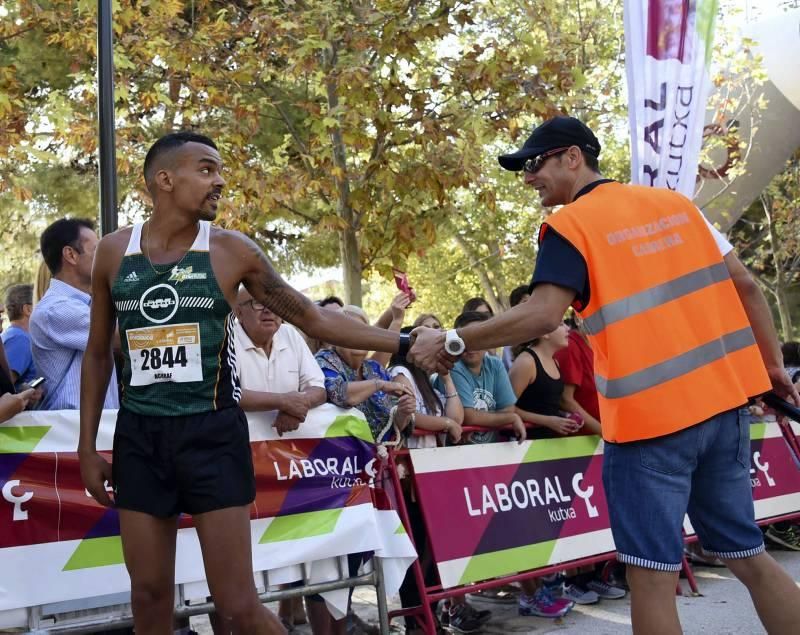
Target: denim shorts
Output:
[(704, 471)]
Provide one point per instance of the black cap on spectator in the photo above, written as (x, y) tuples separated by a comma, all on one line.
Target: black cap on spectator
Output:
[(559, 132)]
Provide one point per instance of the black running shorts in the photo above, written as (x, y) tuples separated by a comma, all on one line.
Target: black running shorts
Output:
[(164, 466)]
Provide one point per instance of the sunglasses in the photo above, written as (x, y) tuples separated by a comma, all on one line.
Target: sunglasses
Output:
[(532, 166)]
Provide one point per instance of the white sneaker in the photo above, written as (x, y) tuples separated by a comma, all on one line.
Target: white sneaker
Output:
[(606, 591), (579, 595)]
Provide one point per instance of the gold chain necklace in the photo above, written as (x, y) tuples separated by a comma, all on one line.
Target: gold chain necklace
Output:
[(150, 261)]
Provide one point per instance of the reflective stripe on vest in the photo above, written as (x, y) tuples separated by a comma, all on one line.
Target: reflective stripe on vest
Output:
[(675, 367), (655, 296), (672, 342)]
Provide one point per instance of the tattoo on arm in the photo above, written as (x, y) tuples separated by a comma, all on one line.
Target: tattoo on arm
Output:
[(281, 299)]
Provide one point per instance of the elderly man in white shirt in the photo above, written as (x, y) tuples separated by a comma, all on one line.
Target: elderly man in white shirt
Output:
[(276, 368)]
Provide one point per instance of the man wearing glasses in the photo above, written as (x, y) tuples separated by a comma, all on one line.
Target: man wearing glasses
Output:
[(276, 368), (59, 324), (682, 337)]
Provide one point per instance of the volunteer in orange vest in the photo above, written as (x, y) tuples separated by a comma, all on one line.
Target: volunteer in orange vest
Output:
[(682, 338)]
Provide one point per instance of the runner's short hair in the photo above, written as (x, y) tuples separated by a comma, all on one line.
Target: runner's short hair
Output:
[(168, 143)]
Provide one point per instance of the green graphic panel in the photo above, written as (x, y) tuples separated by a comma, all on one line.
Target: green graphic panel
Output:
[(500, 563), (303, 525), (400, 529), (758, 431), (21, 439), (562, 448), (350, 426), (96, 552)]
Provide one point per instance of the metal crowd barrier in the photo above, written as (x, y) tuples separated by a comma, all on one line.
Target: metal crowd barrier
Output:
[(432, 594), (114, 611)]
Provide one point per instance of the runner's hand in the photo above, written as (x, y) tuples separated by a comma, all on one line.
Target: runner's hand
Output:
[(286, 423), (561, 425), (295, 404), (783, 386), (95, 471), (427, 350)]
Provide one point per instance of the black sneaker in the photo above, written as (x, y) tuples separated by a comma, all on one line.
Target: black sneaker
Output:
[(482, 616), (444, 614), (789, 538), (463, 621)]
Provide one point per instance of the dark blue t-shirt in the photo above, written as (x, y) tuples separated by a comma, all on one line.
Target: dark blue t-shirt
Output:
[(559, 262)]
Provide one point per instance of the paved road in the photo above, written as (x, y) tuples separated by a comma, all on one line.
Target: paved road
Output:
[(723, 609)]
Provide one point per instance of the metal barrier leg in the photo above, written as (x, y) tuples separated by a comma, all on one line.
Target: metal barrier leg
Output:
[(424, 616), (380, 593), (689, 573)]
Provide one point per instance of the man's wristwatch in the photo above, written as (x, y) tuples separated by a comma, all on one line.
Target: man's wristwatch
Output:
[(453, 343)]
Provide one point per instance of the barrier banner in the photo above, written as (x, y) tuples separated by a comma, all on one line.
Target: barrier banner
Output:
[(774, 474), (667, 52), (500, 508), (313, 503)]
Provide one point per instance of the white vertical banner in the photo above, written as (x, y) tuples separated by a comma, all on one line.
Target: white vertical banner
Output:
[(667, 53)]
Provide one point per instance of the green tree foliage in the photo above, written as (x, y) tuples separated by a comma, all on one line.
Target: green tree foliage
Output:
[(354, 132), (767, 239)]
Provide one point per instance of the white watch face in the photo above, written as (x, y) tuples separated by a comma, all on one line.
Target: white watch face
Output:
[(454, 346)]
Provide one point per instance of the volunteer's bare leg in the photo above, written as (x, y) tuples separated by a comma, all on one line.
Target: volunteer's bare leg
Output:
[(148, 544), (653, 608), (225, 541), (775, 595)]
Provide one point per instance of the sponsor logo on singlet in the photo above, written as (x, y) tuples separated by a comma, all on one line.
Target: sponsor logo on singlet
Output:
[(159, 303), (179, 275)]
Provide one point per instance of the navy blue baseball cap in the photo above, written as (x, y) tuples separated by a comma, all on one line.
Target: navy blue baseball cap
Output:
[(558, 132)]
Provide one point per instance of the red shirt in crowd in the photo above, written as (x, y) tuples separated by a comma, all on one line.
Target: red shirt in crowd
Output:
[(576, 364)]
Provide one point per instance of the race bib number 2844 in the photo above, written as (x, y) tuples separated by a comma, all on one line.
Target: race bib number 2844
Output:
[(165, 353)]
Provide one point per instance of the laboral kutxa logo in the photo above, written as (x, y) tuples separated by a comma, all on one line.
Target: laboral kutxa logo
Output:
[(179, 275), (159, 303)]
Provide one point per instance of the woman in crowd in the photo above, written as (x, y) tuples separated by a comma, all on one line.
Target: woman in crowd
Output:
[(435, 412), (538, 385), (429, 320), (477, 304), (352, 380)]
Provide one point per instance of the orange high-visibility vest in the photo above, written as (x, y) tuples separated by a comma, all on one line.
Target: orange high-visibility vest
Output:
[(672, 343)]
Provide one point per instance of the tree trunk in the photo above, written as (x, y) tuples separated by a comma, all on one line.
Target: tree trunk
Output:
[(483, 276), (351, 265), (348, 237), (781, 300)]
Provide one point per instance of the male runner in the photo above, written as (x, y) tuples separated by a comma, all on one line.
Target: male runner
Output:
[(181, 442)]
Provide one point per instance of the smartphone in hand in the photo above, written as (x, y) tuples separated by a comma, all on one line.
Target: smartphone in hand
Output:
[(36, 382), (401, 280)]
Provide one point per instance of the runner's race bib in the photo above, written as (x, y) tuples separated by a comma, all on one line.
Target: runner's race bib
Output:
[(165, 353)]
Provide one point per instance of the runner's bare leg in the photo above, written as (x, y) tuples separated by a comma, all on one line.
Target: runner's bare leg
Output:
[(225, 541), (148, 544)]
